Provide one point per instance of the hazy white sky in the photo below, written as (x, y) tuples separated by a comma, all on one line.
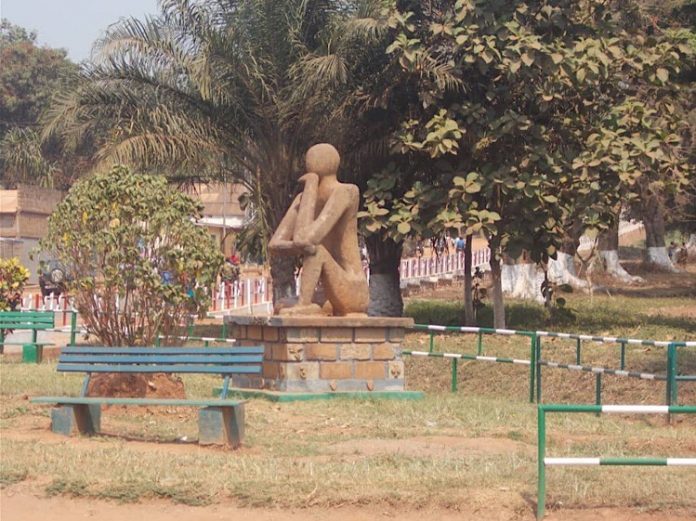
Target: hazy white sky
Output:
[(72, 24)]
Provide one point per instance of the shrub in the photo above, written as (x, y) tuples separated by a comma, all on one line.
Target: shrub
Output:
[(139, 263), (12, 279), (13, 276)]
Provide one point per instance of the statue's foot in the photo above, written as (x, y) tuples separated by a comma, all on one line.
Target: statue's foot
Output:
[(308, 309)]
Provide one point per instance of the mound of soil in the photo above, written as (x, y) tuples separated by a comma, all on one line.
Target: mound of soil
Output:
[(137, 385)]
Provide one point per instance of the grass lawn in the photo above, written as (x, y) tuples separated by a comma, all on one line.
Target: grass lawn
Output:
[(474, 447)]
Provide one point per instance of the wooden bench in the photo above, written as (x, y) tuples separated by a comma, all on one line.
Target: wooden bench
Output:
[(33, 321), (220, 420)]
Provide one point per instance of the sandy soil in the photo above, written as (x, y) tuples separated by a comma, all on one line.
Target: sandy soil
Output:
[(21, 503)]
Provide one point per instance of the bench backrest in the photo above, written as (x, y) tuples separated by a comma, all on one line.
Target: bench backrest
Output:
[(223, 361), (36, 320), (196, 360)]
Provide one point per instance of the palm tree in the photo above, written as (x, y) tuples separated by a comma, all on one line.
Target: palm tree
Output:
[(207, 89)]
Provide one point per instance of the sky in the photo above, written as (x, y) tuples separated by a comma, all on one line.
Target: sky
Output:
[(72, 25)]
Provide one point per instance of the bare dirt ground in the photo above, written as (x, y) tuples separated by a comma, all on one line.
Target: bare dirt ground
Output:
[(21, 503)]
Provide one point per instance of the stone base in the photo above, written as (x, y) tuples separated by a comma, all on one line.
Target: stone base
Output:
[(323, 354)]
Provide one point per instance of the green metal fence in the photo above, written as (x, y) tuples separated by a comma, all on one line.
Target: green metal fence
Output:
[(536, 362), (480, 331), (544, 461)]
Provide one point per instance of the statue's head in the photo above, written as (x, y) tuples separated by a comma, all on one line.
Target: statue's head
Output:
[(322, 159)]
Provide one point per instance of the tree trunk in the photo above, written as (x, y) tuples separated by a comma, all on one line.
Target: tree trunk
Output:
[(283, 275), (561, 270), (498, 303), (653, 219), (385, 287), (691, 246), (469, 316), (522, 279), (609, 254)]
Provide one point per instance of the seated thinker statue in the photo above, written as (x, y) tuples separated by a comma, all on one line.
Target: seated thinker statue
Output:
[(322, 225)]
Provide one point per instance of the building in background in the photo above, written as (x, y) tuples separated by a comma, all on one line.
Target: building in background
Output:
[(24, 216), (222, 214)]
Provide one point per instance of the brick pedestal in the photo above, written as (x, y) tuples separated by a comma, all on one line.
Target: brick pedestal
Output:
[(323, 354)]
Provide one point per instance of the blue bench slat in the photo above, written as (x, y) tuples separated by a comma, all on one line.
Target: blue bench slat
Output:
[(169, 359), (162, 368), (153, 351), (69, 400)]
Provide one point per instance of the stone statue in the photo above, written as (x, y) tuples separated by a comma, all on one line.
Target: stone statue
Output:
[(322, 225)]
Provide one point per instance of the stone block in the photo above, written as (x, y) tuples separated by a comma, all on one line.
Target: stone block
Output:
[(396, 334), (370, 370), (327, 352), (221, 425), (247, 343), (268, 352), (355, 351), (299, 371), (254, 333), (239, 332), (370, 334), (302, 334), (336, 370), (396, 370), (384, 351), (270, 334), (270, 370), (336, 334), (288, 352)]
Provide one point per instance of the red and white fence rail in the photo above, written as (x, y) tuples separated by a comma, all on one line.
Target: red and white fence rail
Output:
[(254, 295), (422, 267)]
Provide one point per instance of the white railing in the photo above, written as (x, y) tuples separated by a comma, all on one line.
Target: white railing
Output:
[(415, 268), (254, 295)]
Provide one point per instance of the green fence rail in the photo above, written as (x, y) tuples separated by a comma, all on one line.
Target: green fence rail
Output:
[(543, 461), (481, 331), (536, 362)]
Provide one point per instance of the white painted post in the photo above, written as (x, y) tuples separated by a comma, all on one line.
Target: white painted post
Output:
[(248, 294)]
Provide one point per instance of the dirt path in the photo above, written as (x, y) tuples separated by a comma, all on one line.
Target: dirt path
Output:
[(21, 503)]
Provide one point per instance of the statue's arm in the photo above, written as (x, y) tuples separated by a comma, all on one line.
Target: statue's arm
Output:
[(335, 207), (308, 202), (282, 238)]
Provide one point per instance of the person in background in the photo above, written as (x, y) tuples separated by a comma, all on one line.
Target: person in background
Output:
[(459, 244)]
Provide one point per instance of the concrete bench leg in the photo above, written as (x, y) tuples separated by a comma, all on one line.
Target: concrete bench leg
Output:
[(32, 354), (221, 425), (73, 419)]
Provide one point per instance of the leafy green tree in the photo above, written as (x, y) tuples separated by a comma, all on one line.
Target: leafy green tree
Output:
[(29, 77), (138, 263), (509, 95)]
